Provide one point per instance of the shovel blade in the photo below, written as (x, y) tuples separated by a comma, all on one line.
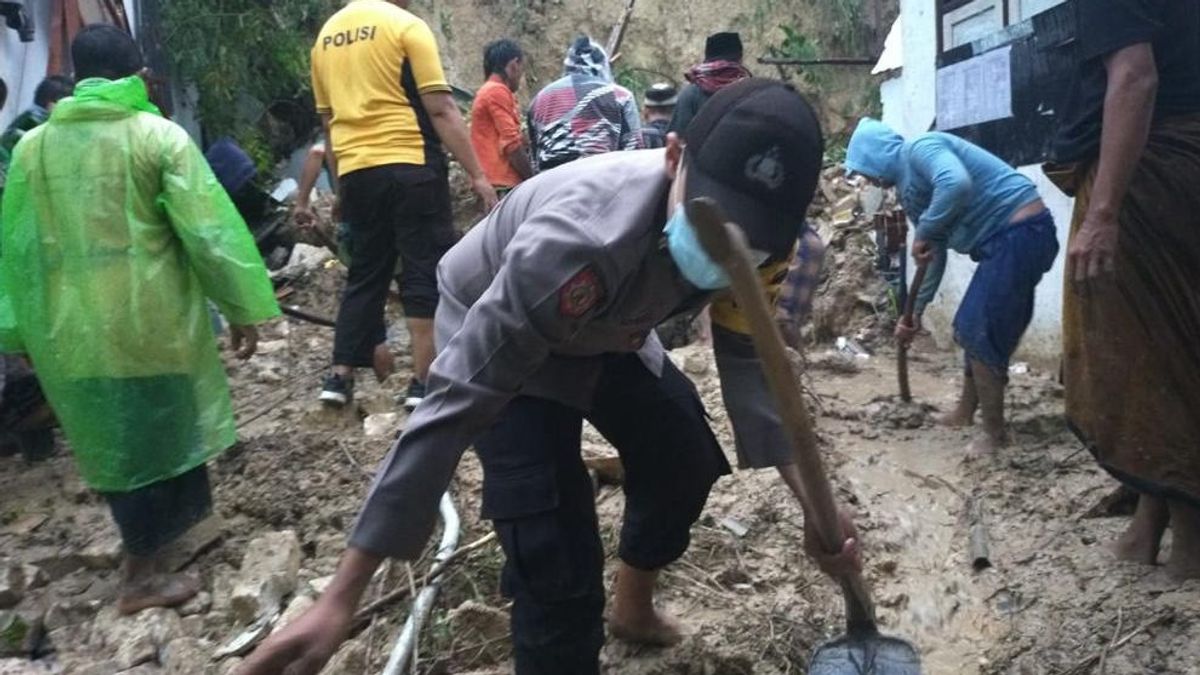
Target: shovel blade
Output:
[(867, 653)]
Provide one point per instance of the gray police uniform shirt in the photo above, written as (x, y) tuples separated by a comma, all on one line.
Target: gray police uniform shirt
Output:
[(569, 267)]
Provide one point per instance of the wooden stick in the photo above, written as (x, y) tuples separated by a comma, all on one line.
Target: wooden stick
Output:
[(910, 304), (618, 32), (726, 245), (1085, 665)]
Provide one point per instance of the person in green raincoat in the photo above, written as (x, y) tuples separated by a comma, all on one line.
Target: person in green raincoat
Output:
[(112, 234)]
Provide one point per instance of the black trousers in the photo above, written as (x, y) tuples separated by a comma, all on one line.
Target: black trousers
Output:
[(394, 212), (151, 517), (538, 494)]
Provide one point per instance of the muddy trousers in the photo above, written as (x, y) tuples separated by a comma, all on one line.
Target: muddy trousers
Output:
[(540, 498)]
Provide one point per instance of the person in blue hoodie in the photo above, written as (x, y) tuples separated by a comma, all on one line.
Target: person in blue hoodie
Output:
[(964, 198)]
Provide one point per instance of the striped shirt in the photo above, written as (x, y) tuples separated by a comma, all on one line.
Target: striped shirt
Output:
[(579, 116)]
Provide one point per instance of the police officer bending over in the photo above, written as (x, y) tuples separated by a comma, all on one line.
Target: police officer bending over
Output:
[(546, 319)]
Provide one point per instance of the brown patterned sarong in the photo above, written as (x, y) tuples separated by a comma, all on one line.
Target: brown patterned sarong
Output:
[(1131, 344)]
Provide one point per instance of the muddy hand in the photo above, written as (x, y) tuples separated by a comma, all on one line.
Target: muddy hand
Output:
[(922, 252), (304, 646), (905, 332), (304, 217), (843, 563), (244, 340)]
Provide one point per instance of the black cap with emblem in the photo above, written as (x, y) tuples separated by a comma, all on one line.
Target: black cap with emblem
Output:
[(756, 148)]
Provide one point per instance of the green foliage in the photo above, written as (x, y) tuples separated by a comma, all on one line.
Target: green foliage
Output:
[(846, 23), (835, 148), (634, 79), (243, 56), (796, 45)]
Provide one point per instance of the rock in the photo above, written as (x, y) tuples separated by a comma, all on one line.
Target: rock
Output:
[(381, 424), (200, 603), (195, 626), (71, 612), (198, 539), (12, 584), (609, 470), (223, 577), (268, 575), (54, 561), (695, 364), (305, 258), (103, 553), (143, 669), (318, 585), (34, 577), (351, 659), (299, 605), (75, 583), (477, 623), (188, 656), (25, 524), (100, 668), (138, 638)]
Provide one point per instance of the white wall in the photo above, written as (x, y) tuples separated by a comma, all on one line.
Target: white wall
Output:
[(23, 64), (909, 104)]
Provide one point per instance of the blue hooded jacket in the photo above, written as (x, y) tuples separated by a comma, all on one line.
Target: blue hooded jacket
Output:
[(957, 193)]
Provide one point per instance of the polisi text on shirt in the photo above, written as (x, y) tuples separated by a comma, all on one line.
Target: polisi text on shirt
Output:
[(348, 37)]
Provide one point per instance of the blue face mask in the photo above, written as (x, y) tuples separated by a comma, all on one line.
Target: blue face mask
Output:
[(689, 255)]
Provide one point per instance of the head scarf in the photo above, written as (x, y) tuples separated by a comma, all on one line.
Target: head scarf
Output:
[(713, 76)]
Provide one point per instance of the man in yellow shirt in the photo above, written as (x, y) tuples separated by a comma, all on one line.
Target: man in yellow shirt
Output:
[(387, 109)]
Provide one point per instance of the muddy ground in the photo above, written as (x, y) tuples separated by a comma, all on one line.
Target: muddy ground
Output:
[(1053, 601)]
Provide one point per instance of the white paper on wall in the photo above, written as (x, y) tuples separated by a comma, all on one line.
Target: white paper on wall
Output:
[(975, 91)]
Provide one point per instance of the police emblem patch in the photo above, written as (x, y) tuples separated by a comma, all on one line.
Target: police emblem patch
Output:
[(580, 294)]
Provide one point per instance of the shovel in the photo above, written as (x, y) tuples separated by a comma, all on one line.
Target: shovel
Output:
[(863, 650), (910, 301)]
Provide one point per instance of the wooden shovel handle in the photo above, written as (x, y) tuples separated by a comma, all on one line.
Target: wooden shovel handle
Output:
[(726, 245), (910, 303)]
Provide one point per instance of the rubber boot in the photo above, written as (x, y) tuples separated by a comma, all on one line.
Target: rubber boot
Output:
[(989, 387)]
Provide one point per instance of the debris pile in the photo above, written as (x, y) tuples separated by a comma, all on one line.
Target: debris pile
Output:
[(852, 299)]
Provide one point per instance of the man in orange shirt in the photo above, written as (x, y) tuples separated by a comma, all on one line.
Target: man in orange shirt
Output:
[(495, 120)]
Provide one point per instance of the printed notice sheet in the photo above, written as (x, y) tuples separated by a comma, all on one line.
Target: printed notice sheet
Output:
[(975, 91)]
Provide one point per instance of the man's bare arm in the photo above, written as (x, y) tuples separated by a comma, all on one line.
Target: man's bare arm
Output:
[(450, 127), (1128, 114), (304, 646), (330, 155), (302, 209), (518, 159)]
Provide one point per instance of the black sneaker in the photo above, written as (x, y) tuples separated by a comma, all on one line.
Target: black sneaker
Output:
[(416, 392), (337, 391)]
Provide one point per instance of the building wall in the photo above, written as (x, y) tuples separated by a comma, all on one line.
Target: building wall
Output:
[(23, 64), (909, 104)]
